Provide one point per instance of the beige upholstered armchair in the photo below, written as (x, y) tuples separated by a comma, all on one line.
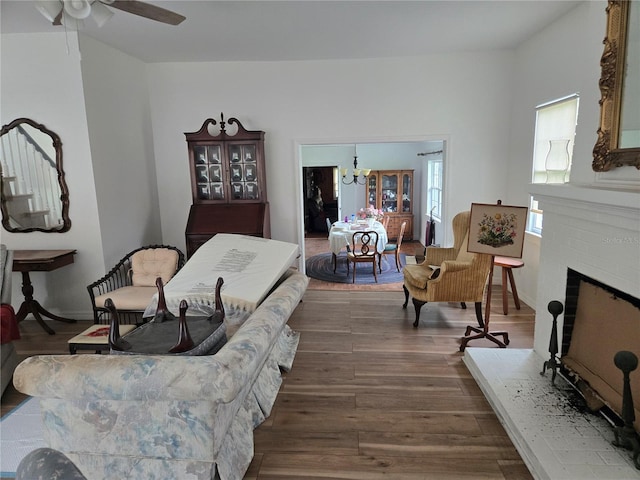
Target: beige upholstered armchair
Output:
[(131, 283), (462, 276)]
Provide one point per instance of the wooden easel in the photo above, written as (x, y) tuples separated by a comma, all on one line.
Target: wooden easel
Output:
[(483, 332)]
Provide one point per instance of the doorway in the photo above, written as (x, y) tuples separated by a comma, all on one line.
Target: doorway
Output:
[(321, 200), (320, 164)]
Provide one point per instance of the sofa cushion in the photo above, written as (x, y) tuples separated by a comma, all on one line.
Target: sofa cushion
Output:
[(129, 298), (150, 263)]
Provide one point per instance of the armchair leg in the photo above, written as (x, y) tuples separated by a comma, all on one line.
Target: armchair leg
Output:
[(406, 296), (417, 305)]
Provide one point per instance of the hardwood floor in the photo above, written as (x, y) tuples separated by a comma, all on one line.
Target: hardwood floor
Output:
[(369, 396)]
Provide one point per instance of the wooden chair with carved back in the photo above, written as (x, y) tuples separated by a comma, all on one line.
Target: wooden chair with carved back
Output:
[(363, 250)]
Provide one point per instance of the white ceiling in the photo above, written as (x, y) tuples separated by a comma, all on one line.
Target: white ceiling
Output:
[(308, 30)]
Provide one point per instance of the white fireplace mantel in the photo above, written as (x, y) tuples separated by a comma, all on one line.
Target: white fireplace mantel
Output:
[(612, 204), (593, 230)]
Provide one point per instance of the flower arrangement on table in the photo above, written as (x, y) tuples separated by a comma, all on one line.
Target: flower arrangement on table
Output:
[(497, 230), (371, 212)]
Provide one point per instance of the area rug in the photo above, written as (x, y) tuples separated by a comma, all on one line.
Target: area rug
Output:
[(320, 267), (20, 433)]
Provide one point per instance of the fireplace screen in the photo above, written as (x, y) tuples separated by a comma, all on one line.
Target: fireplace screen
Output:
[(599, 322)]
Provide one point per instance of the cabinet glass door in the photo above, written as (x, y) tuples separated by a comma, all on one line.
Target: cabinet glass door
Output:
[(406, 193), (372, 190), (390, 193), (243, 172), (208, 168)]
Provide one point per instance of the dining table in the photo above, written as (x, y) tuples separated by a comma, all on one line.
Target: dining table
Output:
[(342, 233)]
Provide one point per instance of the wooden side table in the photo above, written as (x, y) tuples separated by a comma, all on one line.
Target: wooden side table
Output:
[(508, 264), (96, 338), (26, 261)]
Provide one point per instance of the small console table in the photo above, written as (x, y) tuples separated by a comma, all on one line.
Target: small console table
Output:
[(25, 261)]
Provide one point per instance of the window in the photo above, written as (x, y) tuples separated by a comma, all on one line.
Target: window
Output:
[(434, 188), (555, 120)]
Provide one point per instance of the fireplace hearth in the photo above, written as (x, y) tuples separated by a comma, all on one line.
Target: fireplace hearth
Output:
[(587, 357), (555, 434)]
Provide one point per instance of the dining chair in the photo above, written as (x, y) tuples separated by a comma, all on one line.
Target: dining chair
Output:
[(363, 250), (385, 222), (393, 249)]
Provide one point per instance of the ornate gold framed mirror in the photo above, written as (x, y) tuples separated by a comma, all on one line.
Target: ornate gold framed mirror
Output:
[(34, 193), (618, 141)]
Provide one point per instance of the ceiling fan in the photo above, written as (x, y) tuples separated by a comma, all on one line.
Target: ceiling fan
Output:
[(65, 11)]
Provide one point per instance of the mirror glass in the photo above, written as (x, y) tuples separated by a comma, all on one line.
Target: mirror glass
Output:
[(618, 141), (34, 193)]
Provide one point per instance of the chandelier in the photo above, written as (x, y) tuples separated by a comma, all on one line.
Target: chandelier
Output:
[(356, 173)]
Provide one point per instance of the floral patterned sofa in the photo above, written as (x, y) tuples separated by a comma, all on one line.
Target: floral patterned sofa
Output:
[(168, 417)]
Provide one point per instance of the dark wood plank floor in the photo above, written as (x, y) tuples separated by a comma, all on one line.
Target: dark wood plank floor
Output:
[(369, 396)]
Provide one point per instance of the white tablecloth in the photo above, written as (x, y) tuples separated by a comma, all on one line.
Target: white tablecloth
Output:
[(341, 235), (249, 266)]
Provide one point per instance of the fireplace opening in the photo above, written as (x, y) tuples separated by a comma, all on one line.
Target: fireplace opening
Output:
[(600, 321)]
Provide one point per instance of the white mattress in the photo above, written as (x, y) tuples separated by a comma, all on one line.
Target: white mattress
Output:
[(249, 266)]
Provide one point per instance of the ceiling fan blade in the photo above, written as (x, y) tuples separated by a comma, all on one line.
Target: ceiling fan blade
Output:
[(148, 11)]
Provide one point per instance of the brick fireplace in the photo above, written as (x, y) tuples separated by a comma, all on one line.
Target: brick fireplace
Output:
[(594, 231)]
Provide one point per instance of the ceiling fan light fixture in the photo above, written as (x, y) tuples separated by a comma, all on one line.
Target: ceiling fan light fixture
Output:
[(70, 22), (49, 9), (100, 13), (78, 9)]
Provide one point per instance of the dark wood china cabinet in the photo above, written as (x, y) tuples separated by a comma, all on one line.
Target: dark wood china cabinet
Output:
[(228, 182), (391, 191)]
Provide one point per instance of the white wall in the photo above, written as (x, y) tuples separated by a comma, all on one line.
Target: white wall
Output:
[(465, 97), (41, 80), (561, 60), (119, 123), (98, 105)]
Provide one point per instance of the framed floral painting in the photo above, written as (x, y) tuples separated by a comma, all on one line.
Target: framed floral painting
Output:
[(497, 229)]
